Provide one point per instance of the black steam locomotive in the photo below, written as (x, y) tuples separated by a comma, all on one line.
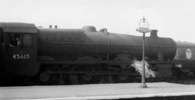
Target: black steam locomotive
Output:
[(34, 55)]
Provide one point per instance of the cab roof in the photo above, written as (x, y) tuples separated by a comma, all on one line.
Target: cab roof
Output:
[(18, 27)]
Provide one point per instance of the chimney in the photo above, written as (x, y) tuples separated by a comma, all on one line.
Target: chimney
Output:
[(153, 34)]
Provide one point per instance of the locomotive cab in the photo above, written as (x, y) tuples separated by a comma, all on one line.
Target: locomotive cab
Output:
[(18, 49)]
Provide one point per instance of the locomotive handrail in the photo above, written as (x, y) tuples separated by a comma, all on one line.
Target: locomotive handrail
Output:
[(85, 62)]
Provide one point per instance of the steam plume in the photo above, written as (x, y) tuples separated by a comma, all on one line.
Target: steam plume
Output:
[(138, 66)]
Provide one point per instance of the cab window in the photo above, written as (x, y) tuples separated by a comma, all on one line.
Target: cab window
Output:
[(20, 40), (27, 40), (14, 40)]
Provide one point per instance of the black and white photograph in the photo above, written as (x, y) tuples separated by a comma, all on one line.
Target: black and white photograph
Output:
[(97, 50)]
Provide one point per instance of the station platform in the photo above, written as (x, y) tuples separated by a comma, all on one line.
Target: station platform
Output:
[(96, 91)]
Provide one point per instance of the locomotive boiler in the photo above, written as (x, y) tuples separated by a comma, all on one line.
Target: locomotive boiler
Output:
[(79, 56), (76, 44)]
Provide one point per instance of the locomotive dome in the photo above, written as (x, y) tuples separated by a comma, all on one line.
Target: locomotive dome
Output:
[(89, 28)]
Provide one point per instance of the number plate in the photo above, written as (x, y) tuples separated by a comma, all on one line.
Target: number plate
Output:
[(21, 56)]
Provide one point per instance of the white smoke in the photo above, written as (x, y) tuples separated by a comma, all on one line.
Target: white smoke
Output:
[(138, 66)]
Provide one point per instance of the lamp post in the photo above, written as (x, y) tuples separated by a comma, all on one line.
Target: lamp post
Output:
[(143, 28)]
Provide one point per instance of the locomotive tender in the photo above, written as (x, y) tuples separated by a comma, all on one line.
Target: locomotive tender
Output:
[(80, 56)]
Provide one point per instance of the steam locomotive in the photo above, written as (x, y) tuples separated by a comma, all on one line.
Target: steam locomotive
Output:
[(55, 56)]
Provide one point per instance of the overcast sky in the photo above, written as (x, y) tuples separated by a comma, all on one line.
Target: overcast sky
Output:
[(172, 18)]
